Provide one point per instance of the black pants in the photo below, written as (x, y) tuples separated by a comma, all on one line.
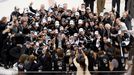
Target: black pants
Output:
[(4, 56), (114, 3), (91, 3), (125, 5)]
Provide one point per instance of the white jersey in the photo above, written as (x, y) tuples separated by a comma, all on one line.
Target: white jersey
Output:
[(123, 26)]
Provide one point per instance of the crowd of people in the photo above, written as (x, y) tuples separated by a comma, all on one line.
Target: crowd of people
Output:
[(61, 39)]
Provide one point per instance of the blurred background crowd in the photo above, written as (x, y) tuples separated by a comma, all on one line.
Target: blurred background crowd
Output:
[(49, 40)]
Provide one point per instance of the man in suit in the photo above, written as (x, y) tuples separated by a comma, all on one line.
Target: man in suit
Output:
[(91, 3)]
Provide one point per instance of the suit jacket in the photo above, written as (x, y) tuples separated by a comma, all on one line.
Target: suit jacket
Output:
[(130, 7)]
